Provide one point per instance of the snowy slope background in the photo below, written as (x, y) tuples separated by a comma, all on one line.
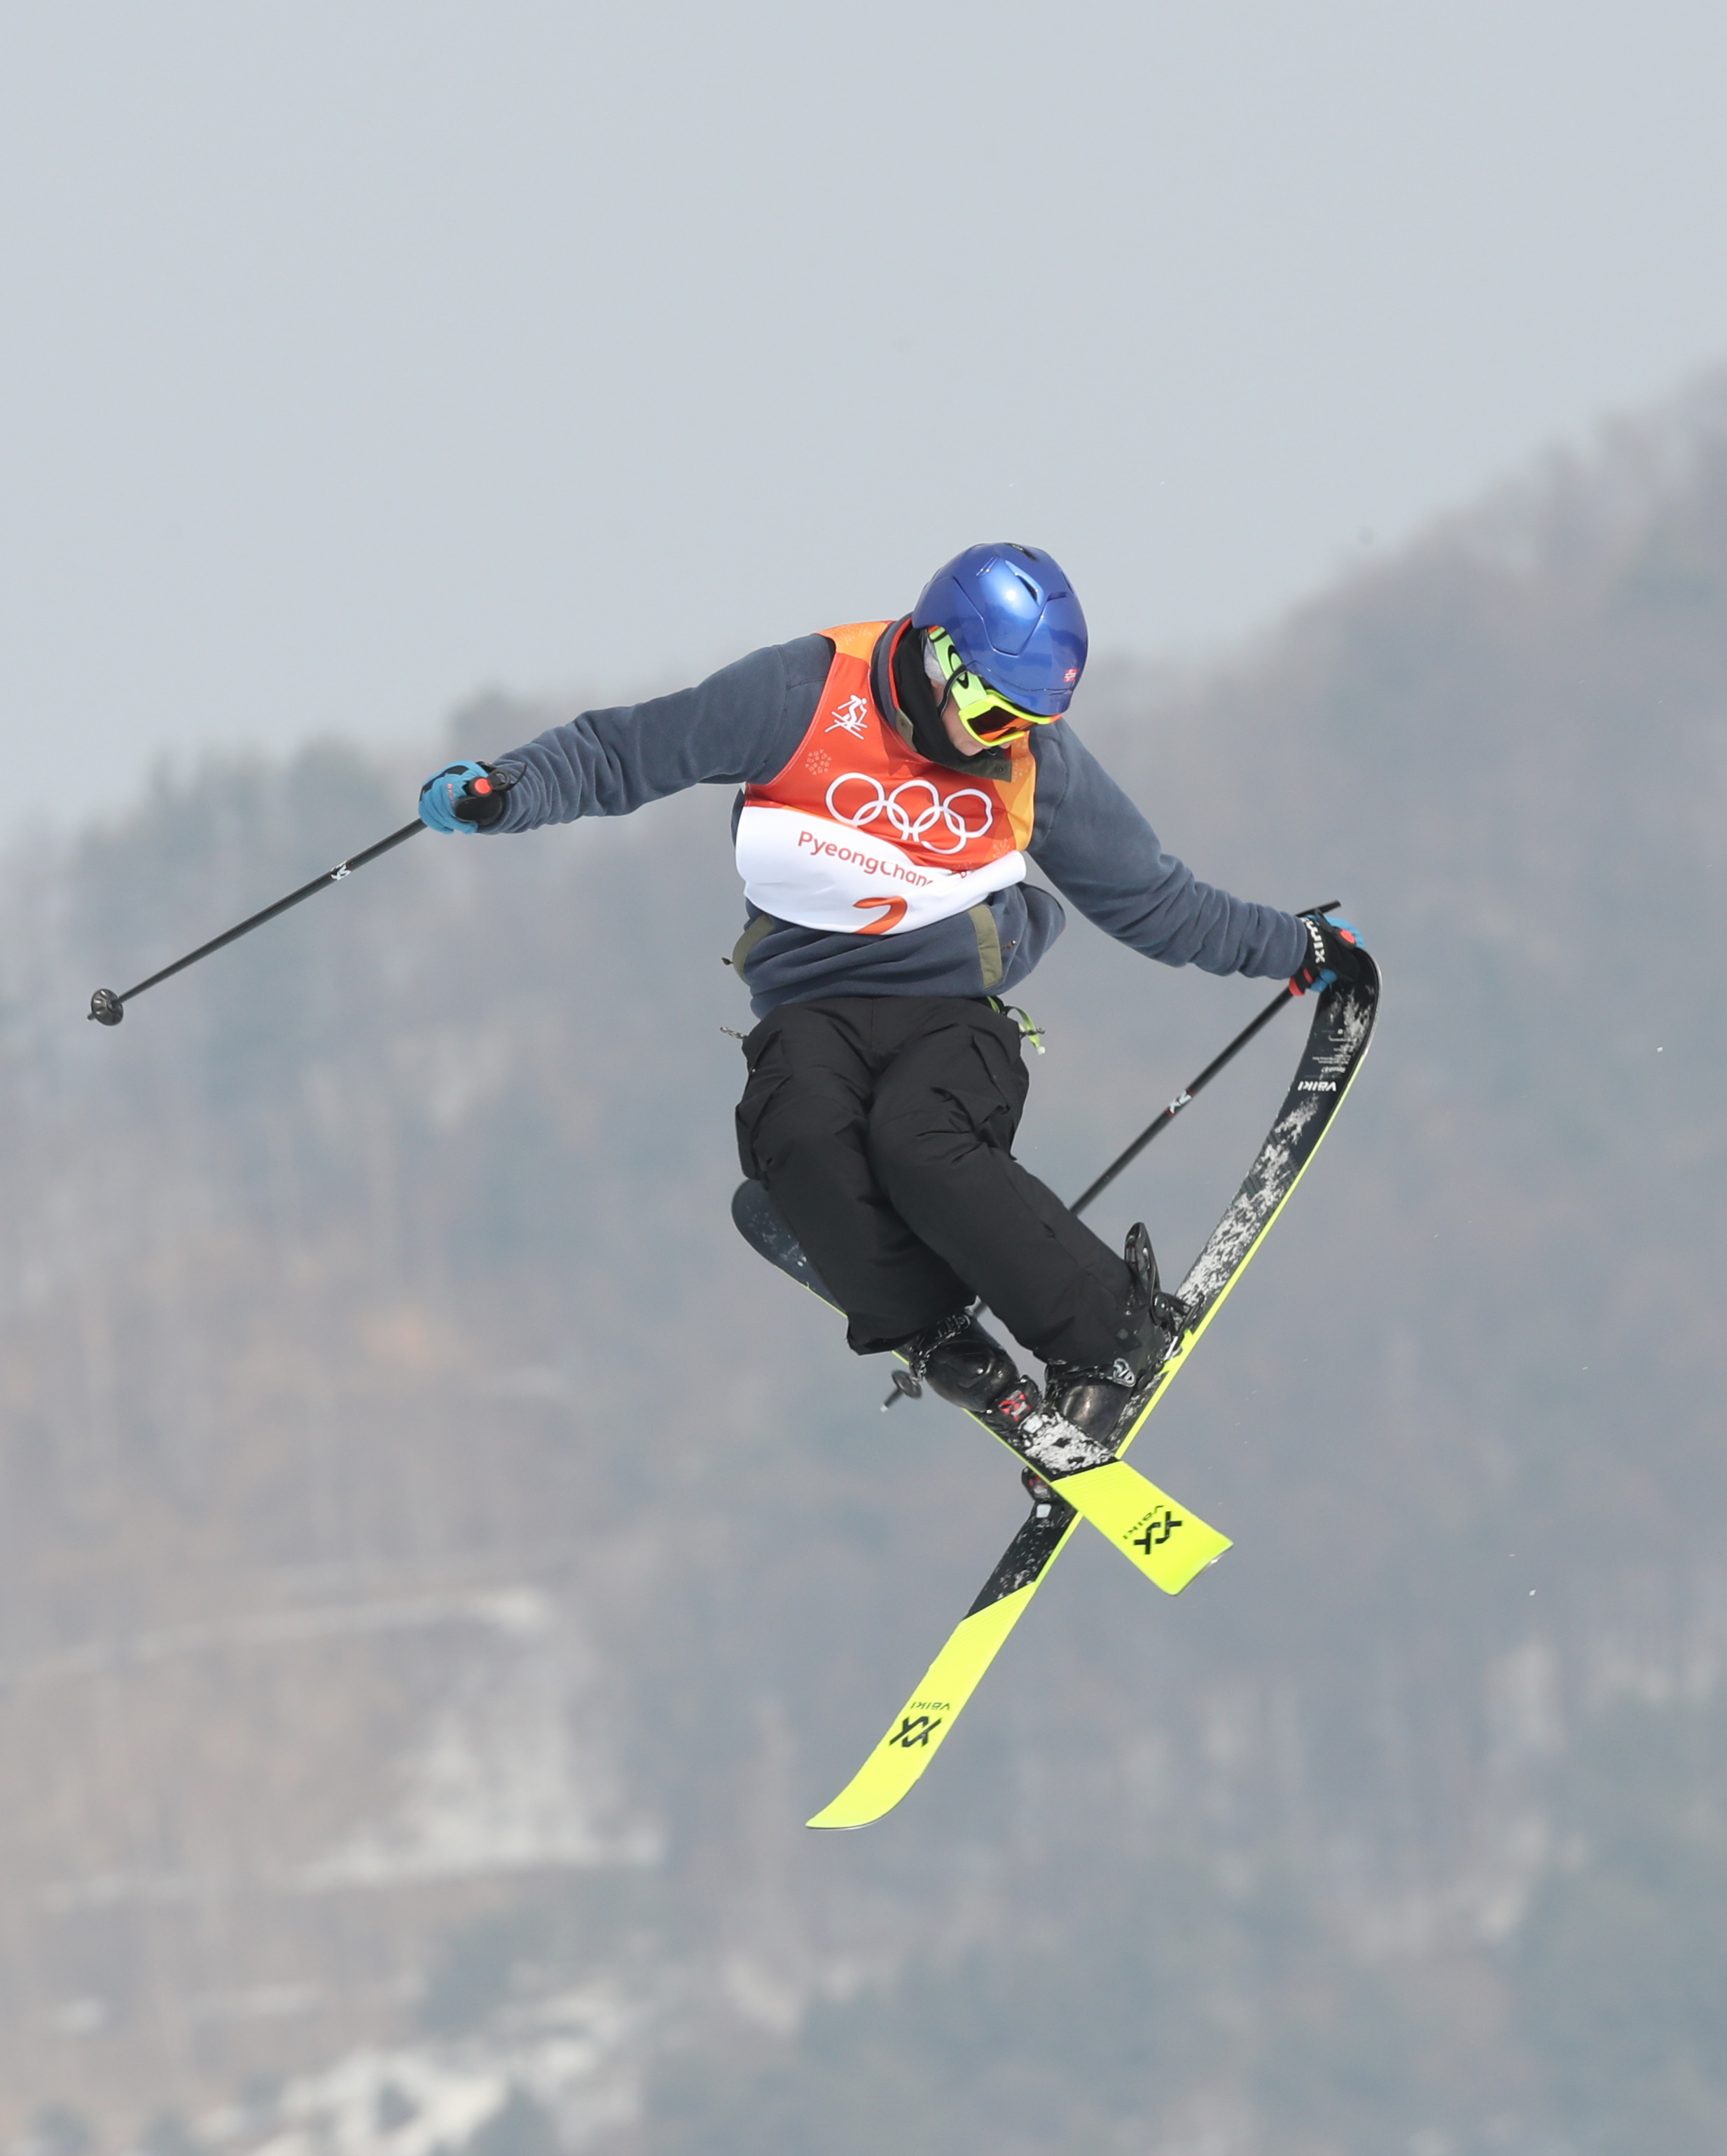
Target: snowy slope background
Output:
[(440, 1567)]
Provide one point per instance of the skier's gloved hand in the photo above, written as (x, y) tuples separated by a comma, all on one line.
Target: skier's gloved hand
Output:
[(464, 797), (1335, 953)]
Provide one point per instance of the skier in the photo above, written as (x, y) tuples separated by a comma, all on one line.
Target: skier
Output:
[(896, 775)]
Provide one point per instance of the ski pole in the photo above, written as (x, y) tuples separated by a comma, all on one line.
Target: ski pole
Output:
[(1165, 1116), (107, 1008)]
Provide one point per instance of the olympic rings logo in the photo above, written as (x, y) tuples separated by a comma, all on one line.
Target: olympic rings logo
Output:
[(908, 824)]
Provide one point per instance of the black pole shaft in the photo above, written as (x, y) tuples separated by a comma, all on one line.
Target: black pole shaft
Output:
[(106, 1006), (1162, 1121)]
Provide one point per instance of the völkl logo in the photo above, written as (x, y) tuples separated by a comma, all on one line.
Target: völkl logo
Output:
[(1155, 1529), (914, 1729)]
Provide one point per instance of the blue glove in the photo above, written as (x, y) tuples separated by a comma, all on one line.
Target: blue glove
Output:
[(464, 797), (1335, 953)]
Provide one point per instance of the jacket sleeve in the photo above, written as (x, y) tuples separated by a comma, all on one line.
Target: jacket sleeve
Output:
[(740, 725), (1097, 848)]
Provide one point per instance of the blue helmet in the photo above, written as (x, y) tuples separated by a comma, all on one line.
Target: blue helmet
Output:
[(1013, 615)]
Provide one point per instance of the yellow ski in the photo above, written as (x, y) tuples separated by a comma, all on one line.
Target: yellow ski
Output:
[(1172, 1547), (923, 1723), (1337, 1041)]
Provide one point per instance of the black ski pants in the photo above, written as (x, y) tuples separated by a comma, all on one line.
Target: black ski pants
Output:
[(882, 1128)]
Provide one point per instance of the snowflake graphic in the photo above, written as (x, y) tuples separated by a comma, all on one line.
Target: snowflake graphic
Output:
[(819, 761)]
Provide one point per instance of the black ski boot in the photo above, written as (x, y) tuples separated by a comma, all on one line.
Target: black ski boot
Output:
[(1093, 1396), (959, 1362)]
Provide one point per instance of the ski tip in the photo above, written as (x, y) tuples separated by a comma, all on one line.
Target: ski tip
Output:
[(851, 1809)]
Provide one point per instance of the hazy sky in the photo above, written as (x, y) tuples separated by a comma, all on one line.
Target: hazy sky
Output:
[(357, 354)]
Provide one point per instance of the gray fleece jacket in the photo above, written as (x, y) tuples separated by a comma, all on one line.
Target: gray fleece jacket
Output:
[(742, 727)]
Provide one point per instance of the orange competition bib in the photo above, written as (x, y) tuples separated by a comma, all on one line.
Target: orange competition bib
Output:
[(861, 835)]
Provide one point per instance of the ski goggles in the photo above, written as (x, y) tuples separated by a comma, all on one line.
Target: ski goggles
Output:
[(987, 716)]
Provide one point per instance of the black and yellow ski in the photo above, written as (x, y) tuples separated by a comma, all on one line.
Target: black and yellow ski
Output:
[(1157, 1534), (1142, 1520)]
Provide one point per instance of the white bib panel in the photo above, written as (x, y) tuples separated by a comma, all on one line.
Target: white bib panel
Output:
[(836, 876)]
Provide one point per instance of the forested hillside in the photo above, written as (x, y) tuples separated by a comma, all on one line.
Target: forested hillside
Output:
[(442, 1568)]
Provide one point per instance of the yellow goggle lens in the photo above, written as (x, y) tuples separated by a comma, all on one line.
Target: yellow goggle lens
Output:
[(986, 717)]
